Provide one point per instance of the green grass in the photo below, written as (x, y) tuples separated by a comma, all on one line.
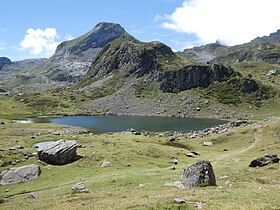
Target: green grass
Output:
[(149, 157)]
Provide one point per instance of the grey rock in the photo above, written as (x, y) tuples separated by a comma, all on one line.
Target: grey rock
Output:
[(2, 123), (207, 143), (236, 159), (16, 147), (190, 154), (32, 195), (92, 145), (265, 160), (59, 152), (19, 174), (175, 161), (79, 188), (200, 173), (183, 79), (179, 200), (106, 164)]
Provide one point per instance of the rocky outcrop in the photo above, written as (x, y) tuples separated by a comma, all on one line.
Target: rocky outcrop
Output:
[(73, 58), (194, 76), (4, 61), (19, 174), (265, 160), (198, 174), (129, 56), (59, 153)]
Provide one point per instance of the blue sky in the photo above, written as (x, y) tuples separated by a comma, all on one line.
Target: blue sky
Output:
[(69, 17), (33, 28)]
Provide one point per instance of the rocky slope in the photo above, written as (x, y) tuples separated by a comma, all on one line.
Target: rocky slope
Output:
[(73, 58), (261, 49), (137, 78)]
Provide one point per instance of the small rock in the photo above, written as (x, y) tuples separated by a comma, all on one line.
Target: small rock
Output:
[(132, 130), (197, 109), (207, 143), (92, 145), (179, 200), (173, 168), (32, 195), (223, 177), (106, 164), (192, 155), (225, 149), (195, 153), (228, 184), (175, 162), (172, 139), (2, 123), (79, 188), (141, 185), (7, 190), (236, 159), (16, 147)]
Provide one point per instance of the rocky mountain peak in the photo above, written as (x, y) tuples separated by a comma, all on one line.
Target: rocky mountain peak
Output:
[(73, 58), (4, 61)]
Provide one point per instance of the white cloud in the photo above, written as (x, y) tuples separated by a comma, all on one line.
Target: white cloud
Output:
[(231, 21), (40, 42)]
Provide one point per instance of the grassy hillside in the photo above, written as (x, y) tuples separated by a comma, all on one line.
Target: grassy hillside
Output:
[(149, 159)]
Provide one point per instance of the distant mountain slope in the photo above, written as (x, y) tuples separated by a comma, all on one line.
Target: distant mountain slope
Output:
[(73, 58), (261, 49), (273, 37), (205, 53), (18, 69)]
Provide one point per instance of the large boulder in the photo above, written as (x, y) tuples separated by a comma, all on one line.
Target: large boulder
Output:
[(19, 174), (59, 152), (198, 174), (265, 160)]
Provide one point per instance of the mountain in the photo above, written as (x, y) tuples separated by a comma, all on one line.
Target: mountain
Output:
[(261, 49), (4, 61), (73, 58), (205, 53), (273, 37), (140, 78), (18, 69)]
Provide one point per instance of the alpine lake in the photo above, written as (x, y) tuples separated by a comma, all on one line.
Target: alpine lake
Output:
[(103, 123)]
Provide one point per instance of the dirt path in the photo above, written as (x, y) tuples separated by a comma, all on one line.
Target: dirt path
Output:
[(238, 152)]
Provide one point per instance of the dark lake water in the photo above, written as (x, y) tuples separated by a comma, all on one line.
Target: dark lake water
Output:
[(102, 124)]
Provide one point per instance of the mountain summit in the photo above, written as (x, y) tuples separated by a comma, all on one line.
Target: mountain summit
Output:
[(72, 58)]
